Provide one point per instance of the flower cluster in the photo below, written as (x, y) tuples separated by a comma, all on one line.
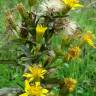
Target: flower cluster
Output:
[(32, 82)]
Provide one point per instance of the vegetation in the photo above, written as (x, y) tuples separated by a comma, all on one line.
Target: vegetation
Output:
[(82, 70)]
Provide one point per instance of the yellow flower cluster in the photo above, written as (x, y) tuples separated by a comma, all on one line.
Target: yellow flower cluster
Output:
[(73, 52), (70, 84), (32, 82), (88, 38), (73, 4)]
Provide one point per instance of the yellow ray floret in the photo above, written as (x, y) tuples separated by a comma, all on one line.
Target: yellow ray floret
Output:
[(36, 73), (72, 3), (34, 90)]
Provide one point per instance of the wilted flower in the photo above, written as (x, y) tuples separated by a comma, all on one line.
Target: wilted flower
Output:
[(36, 73), (70, 84), (51, 6), (23, 31), (72, 4), (34, 90), (70, 28), (89, 39)]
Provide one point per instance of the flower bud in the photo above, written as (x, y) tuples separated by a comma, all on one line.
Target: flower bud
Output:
[(10, 19), (20, 7), (32, 2)]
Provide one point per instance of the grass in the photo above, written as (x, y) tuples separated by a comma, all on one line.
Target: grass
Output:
[(84, 70), (86, 18)]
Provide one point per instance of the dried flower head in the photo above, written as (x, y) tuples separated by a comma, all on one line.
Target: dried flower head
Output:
[(51, 6), (70, 27)]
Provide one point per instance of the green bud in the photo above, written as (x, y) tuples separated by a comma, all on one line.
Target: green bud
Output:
[(32, 2), (21, 9)]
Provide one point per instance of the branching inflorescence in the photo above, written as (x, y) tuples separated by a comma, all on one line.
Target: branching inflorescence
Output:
[(39, 25)]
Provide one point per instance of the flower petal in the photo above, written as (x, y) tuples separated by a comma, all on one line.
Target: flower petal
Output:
[(24, 94), (27, 75)]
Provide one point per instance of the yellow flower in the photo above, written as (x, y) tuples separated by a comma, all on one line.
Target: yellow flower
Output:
[(88, 38), (37, 90), (73, 52), (72, 3), (27, 88), (36, 73), (40, 29), (34, 90), (70, 84)]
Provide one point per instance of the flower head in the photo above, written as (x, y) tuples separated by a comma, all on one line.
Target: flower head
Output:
[(73, 52), (51, 6), (70, 28), (40, 29), (70, 84), (88, 38), (72, 3), (36, 73), (34, 90)]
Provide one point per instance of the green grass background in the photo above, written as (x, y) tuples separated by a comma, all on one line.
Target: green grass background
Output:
[(84, 70)]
